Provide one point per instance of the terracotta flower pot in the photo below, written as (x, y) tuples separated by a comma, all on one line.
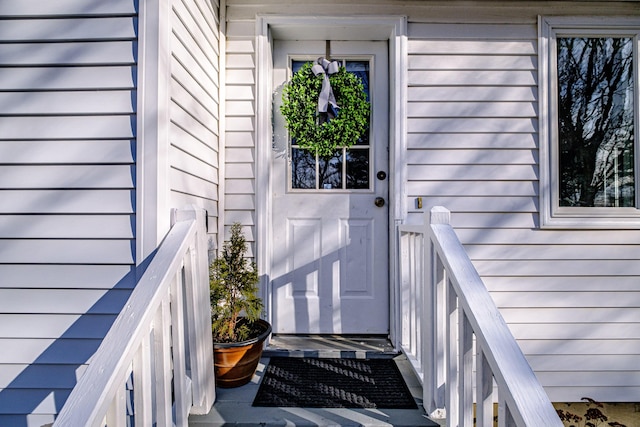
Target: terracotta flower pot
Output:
[(236, 362)]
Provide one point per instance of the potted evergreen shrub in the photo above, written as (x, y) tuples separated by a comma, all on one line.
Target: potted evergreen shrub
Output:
[(238, 332)]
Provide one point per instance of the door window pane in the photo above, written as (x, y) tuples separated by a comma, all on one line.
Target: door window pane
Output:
[(361, 69), (303, 169), (358, 168), (330, 172), (347, 168), (596, 122)]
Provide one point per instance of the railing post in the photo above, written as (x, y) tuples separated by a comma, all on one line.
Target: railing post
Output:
[(405, 283), (434, 360), (199, 318), (429, 358)]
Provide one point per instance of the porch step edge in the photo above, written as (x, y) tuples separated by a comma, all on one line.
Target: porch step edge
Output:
[(330, 354)]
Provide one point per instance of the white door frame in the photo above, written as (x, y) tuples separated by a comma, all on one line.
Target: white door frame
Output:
[(391, 28)]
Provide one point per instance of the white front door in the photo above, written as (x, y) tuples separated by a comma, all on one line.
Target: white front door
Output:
[(330, 263)]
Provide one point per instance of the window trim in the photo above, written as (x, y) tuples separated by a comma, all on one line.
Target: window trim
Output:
[(551, 214)]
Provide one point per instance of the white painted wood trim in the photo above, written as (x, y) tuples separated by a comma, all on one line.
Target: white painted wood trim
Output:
[(142, 376), (199, 316), (152, 145), (552, 216), (391, 28), (264, 135), (398, 95), (162, 357), (178, 350), (222, 123)]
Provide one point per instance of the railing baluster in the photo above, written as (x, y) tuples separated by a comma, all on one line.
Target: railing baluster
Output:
[(405, 272), (440, 279), (162, 359), (142, 386), (414, 300), (465, 354), (117, 413), (178, 350), (484, 391), (505, 419), (453, 381), (419, 298)]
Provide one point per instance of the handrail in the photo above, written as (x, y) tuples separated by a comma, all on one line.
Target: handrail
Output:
[(160, 343), (446, 305)]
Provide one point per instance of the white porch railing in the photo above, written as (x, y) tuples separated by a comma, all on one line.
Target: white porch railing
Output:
[(445, 305), (160, 342)]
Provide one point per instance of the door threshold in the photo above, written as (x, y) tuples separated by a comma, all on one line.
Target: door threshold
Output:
[(330, 346)]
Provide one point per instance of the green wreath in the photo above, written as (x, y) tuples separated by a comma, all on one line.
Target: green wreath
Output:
[(307, 128)]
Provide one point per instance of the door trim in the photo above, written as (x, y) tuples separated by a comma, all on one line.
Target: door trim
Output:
[(391, 28)]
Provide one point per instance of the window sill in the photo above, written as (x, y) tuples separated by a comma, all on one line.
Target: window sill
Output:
[(592, 219)]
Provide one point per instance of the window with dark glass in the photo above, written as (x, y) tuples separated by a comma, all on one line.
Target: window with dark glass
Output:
[(346, 169), (595, 121)]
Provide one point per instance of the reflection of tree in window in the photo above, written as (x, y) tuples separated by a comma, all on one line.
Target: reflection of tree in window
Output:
[(358, 169), (595, 121), (330, 171), (303, 169)]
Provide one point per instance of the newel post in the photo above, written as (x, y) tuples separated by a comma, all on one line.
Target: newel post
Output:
[(439, 215), (434, 362), (199, 314)]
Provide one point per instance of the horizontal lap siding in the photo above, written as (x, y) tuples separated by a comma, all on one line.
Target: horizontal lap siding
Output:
[(240, 170), (67, 184), (194, 107), (570, 297)]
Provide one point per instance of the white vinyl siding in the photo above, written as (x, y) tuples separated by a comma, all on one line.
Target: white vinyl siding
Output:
[(570, 297), (194, 107), (68, 99), (473, 148), (240, 158), (472, 119), (67, 183)]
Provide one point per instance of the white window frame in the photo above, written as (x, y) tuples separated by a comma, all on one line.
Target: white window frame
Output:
[(552, 215)]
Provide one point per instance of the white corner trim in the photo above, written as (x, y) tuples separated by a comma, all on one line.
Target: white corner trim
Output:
[(152, 127), (222, 125)]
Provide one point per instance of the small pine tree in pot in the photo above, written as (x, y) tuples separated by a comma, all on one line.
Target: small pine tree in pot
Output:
[(237, 330)]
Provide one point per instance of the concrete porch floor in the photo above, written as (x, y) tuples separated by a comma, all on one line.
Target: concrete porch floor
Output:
[(233, 406)]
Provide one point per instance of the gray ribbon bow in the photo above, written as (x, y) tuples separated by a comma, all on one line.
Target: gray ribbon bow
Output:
[(326, 97)]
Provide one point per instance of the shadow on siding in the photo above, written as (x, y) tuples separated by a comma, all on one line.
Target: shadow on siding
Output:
[(40, 391)]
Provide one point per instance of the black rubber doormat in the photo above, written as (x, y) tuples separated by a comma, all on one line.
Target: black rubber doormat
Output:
[(333, 383)]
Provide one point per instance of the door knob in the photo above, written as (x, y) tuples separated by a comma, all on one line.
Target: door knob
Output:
[(379, 202)]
